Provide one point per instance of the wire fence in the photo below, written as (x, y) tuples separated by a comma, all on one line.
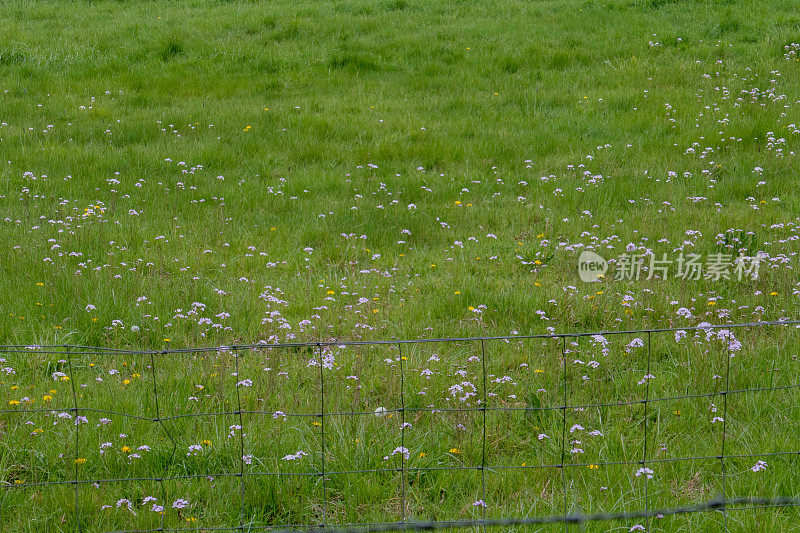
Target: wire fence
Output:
[(734, 372)]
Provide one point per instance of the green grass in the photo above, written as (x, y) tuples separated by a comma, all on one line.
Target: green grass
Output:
[(355, 170)]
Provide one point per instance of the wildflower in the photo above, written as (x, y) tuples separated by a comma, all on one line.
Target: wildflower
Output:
[(645, 378), (636, 343), (127, 503), (194, 449), (180, 504), (295, 456), (402, 450)]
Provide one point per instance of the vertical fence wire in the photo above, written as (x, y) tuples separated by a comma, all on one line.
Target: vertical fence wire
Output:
[(241, 438), (160, 421), (402, 437), (483, 438), (564, 430), (724, 425), (77, 438), (322, 432), (644, 446)]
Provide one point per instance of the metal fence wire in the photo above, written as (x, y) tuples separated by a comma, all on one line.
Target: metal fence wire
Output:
[(734, 373)]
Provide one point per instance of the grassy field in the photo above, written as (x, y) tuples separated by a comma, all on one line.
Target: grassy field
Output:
[(188, 174)]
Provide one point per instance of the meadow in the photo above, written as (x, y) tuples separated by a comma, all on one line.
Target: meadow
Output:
[(213, 174)]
